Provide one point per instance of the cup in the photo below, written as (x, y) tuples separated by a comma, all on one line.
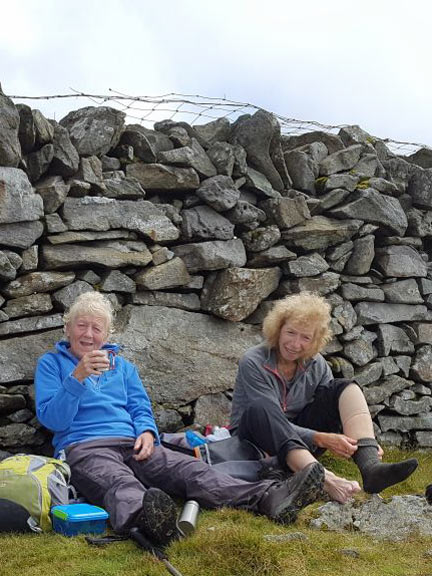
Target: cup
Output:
[(189, 517), (109, 354)]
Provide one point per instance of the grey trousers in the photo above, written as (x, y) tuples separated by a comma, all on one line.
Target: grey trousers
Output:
[(106, 474)]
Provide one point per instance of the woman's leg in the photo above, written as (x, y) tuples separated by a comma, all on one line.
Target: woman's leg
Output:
[(357, 423)]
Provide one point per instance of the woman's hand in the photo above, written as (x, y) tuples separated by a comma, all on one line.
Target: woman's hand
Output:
[(339, 444), (144, 446), (91, 364)]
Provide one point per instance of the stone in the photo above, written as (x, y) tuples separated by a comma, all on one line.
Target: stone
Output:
[(189, 302), (332, 142), (88, 276), (18, 202), (362, 256), (383, 313), (195, 367), (422, 332), (258, 183), (214, 131), (38, 162), (94, 130), (94, 213), (110, 164), (310, 265), (160, 177), (87, 236), (44, 131), (167, 420), (214, 409), (410, 407), (389, 366), (116, 281), (65, 161), (204, 223), (235, 293), (355, 293), (419, 222), (322, 284), (222, 157), (302, 169), (11, 402), (371, 206), (111, 254), (328, 200), (53, 191), (340, 161), (37, 282), (367, 166), (146, 143), (368, 374), (421, 157), (20, 234), (28, 305), (66, 296), (420, 188), (405, 423), (270, 257), (388, 386), (320, 232), (219, 192), (245, 212), (286, 212), (31, 324), (421, 368), (424, 439), (393, 339), (193, 156), (7, 270), (359, 351), (343, 181), (10, 149), (404, 363), (212, 255), (168, 275), (255, 134), (90, 171), (402, 292), (400, 262), (261, 238), (30, 259), (340, 250)]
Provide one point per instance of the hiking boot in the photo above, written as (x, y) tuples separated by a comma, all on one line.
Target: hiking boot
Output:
[(283, 501), (428, 494), (271, 470), (158, 517)]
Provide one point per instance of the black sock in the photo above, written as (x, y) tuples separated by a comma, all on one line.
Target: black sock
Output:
[(375, 474)]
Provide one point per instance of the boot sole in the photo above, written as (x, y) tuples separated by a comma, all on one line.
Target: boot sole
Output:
[(158, 518), (309, 489)]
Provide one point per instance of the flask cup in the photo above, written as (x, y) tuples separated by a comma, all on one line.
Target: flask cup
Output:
[(189, 517)]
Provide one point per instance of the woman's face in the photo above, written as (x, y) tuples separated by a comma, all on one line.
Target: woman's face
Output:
[(296, 340), (86, 333)]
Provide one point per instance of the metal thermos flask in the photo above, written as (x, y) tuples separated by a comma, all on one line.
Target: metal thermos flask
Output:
[(189, 517)]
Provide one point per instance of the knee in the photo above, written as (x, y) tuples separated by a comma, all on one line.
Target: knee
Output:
[(261, 407)]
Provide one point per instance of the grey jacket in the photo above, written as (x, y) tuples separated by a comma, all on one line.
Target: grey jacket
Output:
[(258, 377)]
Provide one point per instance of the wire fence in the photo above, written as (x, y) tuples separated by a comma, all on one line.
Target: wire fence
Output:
[(196, 109)]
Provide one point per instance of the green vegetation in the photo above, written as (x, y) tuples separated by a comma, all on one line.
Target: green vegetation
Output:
[(230, 543)]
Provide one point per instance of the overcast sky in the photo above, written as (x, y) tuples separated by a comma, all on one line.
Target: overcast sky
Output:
[(334, 61)]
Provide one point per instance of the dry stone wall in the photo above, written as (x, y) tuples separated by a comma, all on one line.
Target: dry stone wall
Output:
[(192, 231)]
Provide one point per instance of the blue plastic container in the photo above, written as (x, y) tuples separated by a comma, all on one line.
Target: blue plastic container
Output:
[(74, 519)]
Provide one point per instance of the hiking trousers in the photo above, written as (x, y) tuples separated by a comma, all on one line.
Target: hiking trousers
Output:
[(106, 474)]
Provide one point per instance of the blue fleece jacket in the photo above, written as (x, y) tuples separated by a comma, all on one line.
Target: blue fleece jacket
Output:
[(113, 405)]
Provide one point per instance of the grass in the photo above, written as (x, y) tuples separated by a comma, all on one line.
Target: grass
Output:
[(230, 543)]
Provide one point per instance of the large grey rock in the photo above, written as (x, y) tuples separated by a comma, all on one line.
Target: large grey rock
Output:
[(7, 270), (420, 188), (20, 234), (302, 169), (309, 265), (286, 212), (405, 423), (422, 157), (419, 222), (400, 262), (377, 313), (30, 305), (66, 296), (94, 130), (398, 171), (410, 407), (11, 402), (19, 435), (422, 332), (261, 238), (44, 131), (32, 324), (387, 387), (371, 206), (368, 374), (328, 200), (235, 293), (37, 282), (212, 255), (192, 156), (244, 213), (160, 177), (222, 157), (189, 302), (219, 192), (38, 162), (214, 409), (322, 284), (402, 292), (214, 131), (109, 254), (18, 202), (332, 142), (10, 149), (345, 314), (355, 293), (203, 351), (204, 223), (53, 191), (345, 181), (362, 256), (320, 232), (258, 183), (273, 256), (119, 186), (421, 368), (95, 213), (88, 236), (146, 143), (116, 281), (168, 275), (393, 339), (340, 161), (255, 134), (65, 161), (16, 366)]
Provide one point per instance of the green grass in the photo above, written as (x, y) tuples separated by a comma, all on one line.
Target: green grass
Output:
[(230, 543)]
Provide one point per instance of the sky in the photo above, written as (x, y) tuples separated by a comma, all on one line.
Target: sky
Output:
[(331, 61)]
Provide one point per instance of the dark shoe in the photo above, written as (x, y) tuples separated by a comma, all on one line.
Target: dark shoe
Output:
[(271, 470), (158, 517), (282, 502), (428, 494)]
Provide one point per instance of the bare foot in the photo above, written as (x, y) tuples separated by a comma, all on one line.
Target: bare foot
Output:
[(340, 489)]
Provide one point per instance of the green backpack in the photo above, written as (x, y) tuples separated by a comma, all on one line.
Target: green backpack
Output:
[(32, 484)]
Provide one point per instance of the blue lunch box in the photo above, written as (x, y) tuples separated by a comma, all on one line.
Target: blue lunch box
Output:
[(74, 519)]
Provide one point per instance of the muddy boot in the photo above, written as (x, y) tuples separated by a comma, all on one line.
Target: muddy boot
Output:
[(284, 500), (376, 475), (158, 517)]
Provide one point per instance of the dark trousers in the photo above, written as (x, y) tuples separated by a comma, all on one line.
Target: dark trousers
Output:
[(266, 425), (106, 474)]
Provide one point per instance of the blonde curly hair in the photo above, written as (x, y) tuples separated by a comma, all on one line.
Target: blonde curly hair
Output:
[(91, 304), (302, 308)]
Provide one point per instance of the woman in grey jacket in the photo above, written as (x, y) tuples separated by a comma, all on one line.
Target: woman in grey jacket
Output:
[(287, 402)]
